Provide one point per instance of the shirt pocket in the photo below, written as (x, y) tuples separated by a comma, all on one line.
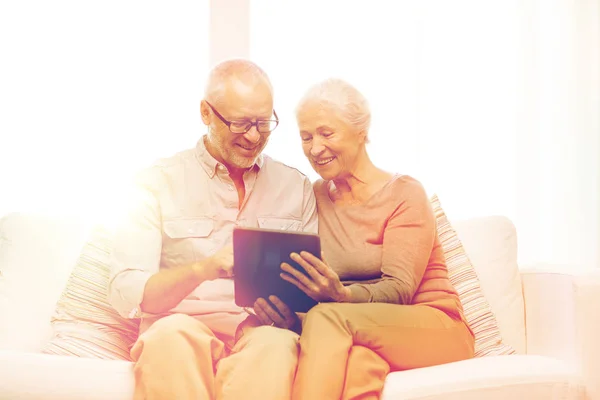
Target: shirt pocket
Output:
[(186, 240), (280, 224)]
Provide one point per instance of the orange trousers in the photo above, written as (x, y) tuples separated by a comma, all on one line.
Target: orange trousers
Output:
[(180, 357), (346, 350)]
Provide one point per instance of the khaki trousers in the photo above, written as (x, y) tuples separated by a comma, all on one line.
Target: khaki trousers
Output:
[(346, 350), (180, 357)]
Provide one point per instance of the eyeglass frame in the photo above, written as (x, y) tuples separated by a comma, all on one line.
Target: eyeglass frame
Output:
[(255, 123)]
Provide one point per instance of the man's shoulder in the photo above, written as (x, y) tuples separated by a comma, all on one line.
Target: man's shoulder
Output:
[(174, 160), (152, 176), (283, 170)]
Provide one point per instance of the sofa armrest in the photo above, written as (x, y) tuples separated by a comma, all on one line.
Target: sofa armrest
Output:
[(562, 318), (587, 317)]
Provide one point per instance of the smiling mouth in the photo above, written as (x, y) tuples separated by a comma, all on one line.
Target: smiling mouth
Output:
[(248, 148), (324, 161)]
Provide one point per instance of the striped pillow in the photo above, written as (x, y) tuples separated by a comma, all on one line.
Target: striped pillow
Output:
[(84, 323), (477, 311)]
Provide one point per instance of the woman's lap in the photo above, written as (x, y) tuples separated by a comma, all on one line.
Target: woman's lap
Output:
[(405, 336)]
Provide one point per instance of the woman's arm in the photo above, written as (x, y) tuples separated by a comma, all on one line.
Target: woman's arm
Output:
[(408, 241)]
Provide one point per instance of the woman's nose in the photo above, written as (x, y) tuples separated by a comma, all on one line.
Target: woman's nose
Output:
[(316, 149)]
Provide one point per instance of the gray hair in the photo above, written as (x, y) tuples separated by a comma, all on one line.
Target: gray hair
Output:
[(352, 106), (237, 68)]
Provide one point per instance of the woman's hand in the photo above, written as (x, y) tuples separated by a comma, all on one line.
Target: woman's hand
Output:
[(322, 283)]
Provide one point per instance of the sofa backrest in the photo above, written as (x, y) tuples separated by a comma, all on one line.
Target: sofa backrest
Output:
[(37, 254), (491, 244)]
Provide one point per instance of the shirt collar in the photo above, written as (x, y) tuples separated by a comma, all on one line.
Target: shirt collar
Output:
[(210, 164)]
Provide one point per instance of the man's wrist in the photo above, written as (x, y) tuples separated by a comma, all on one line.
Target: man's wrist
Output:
[(201, 270)]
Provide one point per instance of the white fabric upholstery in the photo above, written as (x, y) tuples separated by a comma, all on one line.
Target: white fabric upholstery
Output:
[(29, 376), (563, 321), (491, 244), (37, 254), (550, 311), (490, 378), (563, 324), (587, 320)]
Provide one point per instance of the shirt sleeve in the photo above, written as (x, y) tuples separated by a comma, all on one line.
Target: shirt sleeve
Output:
[(408, 241), (310, 219), (136, 252)]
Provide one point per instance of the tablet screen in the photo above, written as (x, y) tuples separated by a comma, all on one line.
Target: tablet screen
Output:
[(257, 257)]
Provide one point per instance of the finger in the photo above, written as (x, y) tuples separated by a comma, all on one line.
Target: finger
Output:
[(229, 270), (283, 309), (317, 263), (271, 313), (304, 263), (298, 284), (261, 313), (225, 273), (298, 275)]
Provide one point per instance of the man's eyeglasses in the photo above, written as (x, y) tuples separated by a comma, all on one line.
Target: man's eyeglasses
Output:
[(243, 126)]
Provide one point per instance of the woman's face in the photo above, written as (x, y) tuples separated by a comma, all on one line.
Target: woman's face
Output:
[(330, 144)]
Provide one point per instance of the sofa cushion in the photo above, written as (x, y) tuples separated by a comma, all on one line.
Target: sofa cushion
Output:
[(491, 243), (463, 277), (28, 376), (84, 323), (36, 256), (490, 378)]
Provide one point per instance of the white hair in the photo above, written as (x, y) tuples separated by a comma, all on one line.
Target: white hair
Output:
[(351, 105), (237, 68)]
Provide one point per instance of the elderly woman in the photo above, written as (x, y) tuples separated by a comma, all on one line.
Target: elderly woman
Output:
[(386, 300)]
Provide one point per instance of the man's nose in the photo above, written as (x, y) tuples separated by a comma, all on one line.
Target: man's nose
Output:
[(252, 135)]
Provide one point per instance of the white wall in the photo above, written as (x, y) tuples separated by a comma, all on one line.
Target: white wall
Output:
[(493, 105), (91, 91)]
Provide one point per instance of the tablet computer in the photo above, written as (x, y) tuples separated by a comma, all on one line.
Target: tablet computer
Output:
[(257, 257)]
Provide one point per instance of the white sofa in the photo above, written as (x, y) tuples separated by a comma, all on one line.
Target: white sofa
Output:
[(552, 320)]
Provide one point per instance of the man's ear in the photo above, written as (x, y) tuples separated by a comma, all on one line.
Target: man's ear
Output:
[(205, 112)]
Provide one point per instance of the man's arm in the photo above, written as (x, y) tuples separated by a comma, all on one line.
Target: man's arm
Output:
[(136, 282), (165, 289), (310, 217)]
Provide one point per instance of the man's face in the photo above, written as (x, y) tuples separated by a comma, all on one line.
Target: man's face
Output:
[(240, 102)]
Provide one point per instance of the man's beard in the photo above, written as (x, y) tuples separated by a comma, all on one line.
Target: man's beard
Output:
[(230, 156)]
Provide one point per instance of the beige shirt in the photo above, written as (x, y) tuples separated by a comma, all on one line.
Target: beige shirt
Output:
[(184, 209)]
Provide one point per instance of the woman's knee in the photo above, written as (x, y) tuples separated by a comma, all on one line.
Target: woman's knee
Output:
[(326, 314)]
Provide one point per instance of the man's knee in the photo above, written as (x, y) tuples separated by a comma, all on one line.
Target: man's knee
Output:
[(271, 338), (179, 336), (173, 326)]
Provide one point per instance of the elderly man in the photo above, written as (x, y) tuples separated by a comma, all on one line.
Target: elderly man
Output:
[(173, 259)]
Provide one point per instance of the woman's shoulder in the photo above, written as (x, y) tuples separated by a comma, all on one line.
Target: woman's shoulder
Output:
[(405, 188), (320, 186)]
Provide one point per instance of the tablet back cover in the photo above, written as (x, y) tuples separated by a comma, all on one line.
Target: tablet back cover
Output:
[(258, 254)]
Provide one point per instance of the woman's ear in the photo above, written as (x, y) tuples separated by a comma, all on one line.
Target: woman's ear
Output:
[(205, 112), (363, 136)]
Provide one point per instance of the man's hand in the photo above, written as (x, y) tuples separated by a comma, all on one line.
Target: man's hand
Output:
[(281, 316), (219, 265)]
